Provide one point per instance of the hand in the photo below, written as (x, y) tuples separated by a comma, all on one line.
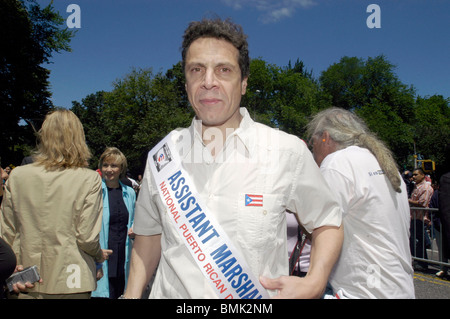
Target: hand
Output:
[(105, 254), (292, 287), (20, 286), (131, 233), (99, 273), (3, 174)]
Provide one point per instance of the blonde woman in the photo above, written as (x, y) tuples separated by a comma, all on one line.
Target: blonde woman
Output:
[(52, 212), (118, 215)]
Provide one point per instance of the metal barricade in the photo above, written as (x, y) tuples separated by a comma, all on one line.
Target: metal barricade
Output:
[(426, 236)]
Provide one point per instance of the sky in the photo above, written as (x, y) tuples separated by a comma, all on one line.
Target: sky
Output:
[(115, 36)]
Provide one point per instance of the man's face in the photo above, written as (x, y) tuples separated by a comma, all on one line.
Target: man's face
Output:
[(213, 82), (418, 177)]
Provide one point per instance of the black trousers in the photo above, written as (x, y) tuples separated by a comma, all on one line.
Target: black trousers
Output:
[(116, 287), (7, 264), (417, 240)]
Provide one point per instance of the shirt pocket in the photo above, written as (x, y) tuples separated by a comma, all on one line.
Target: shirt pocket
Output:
[(259, 218)]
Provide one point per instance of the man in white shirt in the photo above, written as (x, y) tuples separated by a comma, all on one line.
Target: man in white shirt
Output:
[(245, 173), (375, 261)]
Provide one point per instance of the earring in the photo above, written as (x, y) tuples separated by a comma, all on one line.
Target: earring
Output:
[(323, 140)]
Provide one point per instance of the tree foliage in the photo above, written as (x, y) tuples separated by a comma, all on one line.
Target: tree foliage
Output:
[(432, 130), (29, 35), (90, 112), (283, 97), (372, 89), (139, 111), (143, 107)]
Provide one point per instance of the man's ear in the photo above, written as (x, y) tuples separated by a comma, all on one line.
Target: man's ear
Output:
[(244, 86), (326, 137)]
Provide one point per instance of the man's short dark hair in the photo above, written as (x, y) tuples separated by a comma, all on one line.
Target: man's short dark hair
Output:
[(219, 29)]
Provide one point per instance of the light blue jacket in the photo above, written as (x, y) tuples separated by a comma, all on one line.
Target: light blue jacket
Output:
[(129, 198)]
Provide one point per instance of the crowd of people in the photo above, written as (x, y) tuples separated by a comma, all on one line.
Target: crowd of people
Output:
[(244, 211), (424, 193)]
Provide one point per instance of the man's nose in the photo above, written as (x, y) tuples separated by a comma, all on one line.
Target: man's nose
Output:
[(210, 79)]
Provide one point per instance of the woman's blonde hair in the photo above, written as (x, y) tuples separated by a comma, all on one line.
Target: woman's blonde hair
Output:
[(118, 158), (347, 129), (61, 142)]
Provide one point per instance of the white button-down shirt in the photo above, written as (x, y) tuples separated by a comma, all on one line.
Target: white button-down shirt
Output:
[(255, 160)]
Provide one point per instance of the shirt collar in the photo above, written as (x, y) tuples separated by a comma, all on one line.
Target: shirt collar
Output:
[(421, 183), (243, 132), (246, 130)]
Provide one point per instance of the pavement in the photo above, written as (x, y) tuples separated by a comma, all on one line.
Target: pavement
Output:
[(428, 286)]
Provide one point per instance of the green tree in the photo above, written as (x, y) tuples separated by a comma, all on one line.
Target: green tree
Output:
[(372, 89), (298, 97), (343, 81), (283, 97), (141, 109), (260, 91), (29, 35), (432, 129), (390, 127), (169, 110), (91, 113)]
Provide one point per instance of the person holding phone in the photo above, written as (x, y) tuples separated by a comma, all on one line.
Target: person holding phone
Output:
[(53, 220)]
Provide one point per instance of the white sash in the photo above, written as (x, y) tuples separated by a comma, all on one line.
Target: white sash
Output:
[(217, 258)]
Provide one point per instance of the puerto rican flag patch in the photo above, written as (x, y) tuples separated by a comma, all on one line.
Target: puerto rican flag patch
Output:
[(253, 200)]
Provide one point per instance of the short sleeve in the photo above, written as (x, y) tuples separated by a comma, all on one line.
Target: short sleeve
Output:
[(147, 219), (310, 196)]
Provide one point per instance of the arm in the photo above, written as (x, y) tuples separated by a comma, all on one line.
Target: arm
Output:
[(7, 219), (420, 202), (3, 176), (89, 223), (424, 198), (145, 257), (325, 249), (323, 219)]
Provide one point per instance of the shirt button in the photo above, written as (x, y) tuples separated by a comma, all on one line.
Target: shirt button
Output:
[(265, 212)]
